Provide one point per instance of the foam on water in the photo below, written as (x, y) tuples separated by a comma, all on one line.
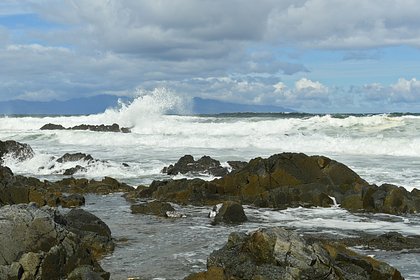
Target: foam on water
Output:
[(383, 148)]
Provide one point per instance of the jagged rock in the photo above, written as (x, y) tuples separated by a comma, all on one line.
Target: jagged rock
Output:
[(74, 157), (187, 164), (51, 126), (390, 241), (74, 170), (20, 189), (230, 212), (276, 253), (102, 128), (92, 230), (37, 245), (236, 165), (19, 151), (289, 180), (157, 208)]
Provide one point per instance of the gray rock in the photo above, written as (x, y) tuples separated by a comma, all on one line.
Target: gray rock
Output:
[(276, 253), (93, 231), (75, 157), (205, 164), (230, 212), (37, 245), (19, 151)]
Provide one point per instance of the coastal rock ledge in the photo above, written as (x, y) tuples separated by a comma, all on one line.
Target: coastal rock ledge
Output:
[(277, 253)]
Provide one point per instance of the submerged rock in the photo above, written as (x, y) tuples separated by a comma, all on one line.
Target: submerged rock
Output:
[(37, 245), (19, 151), (390, 241), (276, 253), (205, 164)]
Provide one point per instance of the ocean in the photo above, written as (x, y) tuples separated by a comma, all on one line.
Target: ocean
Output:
[(379, 147)]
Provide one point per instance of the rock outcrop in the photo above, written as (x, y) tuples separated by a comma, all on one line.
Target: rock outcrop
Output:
[(20, 189), (276, 253), (204, 165), (289, 180), (230, 212), (37, 245), (156, 208), (67, 157), (101, 128), (93, 231), (19, 151)]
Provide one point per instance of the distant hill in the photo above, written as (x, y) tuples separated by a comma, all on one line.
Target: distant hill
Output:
[(211, 106), (98, 104), (77, 106)]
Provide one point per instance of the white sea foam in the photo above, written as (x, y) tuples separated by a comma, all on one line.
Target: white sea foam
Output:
[(382, 148)]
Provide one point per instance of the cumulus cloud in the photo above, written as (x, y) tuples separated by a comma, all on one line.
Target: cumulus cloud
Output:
[(231, 50)]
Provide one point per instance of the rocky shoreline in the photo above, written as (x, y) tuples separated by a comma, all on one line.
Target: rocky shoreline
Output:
[(72, 244)]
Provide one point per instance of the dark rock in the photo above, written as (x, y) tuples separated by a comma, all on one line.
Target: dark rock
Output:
[(236, 165), (19, 151), (51, 126), (157, 208), (289, 180), (101, 128), (187, 164), (74, 170), (277, 253), (75, 157), (72, 200), (81, 186), (391, 241), (93, 231), (37, 245), (231, 212)]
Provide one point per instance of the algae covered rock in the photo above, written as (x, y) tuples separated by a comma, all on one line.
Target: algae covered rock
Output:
[(277, 253)]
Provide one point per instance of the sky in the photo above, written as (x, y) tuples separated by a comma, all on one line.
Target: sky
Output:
[(310, 55)]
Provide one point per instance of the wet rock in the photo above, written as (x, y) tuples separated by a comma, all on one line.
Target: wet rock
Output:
[(276, 253), (93, 231), (289, 180), (157, 208), (72, 200), (74, 170), (37, 245), (51, 126), (82, 186), (20, 189), (230, 212), (205, 164), (236, 165), (19, 151), (390, 241), (101, 128), (67, 157)]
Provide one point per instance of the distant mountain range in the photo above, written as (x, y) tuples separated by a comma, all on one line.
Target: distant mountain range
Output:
[(211, 106), (98, 104)]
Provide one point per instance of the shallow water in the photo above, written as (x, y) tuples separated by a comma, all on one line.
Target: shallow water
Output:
[(152, 247), (380, 148)]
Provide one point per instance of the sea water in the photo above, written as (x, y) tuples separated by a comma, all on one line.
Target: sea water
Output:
[(379, 147)]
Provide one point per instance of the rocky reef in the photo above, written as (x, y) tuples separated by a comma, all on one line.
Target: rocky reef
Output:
[(101, 128), (277, 253), (18, 151), (289, 180)]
